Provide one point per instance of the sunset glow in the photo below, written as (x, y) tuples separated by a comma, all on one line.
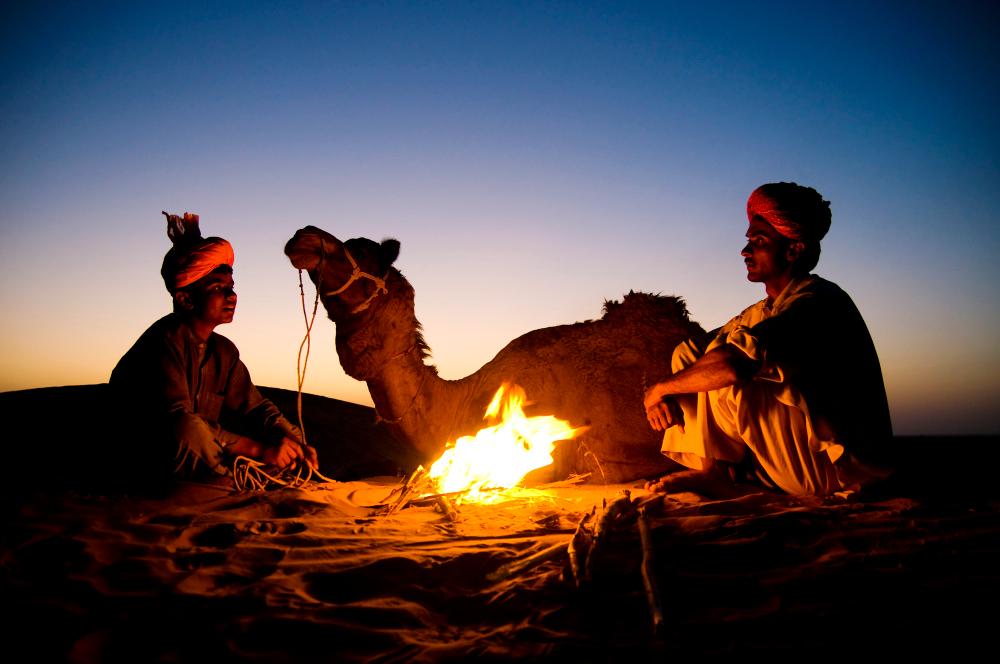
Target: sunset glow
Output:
[(533, 160)]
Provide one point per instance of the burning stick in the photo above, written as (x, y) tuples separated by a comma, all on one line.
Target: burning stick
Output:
[(579, 546), (603, 527), (652, 592), (524, 564)]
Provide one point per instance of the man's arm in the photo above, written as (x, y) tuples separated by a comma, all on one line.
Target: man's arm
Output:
[(718, 368)]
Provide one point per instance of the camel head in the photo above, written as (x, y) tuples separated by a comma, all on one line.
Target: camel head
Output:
[(349, 275)]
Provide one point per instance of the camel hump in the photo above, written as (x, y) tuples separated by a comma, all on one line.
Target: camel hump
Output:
[(646, 307)]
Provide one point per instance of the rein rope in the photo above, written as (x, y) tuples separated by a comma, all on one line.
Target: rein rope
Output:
[(249, 474)]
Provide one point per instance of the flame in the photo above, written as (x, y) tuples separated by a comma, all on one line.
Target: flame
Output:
[(499, 457)]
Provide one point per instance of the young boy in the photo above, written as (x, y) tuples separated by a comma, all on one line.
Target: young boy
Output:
[(184, 392)]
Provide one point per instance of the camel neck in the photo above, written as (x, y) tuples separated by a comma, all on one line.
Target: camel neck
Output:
[(417, 405)]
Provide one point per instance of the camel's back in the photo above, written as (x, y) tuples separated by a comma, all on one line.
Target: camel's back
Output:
[(595, 374)]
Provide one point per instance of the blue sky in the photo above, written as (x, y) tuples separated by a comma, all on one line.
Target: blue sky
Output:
[(532, 158)]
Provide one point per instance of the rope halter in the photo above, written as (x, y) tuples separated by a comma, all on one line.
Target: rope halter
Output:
[(355, 275)]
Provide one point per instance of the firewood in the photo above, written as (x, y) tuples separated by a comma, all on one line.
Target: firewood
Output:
[(652, 504), (579, 547), (524, 564), (603, 527), (648, 579), (449, 511), (410, 491)]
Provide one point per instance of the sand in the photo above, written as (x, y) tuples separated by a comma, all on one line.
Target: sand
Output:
[(200, 573)]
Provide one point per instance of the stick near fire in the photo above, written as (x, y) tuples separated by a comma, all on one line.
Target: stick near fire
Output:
[(516, 567), (604, 526), (579, 547), (409, 492), (648, 579), (447, 508)]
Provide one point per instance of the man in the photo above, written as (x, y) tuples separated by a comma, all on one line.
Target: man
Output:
[(791, 389), (187, 398)]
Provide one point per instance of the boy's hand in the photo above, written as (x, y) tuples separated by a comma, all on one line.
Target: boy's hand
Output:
[(288, 452)]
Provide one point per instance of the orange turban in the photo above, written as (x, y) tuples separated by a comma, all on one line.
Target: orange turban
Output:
[(798, 213), (192, 257)]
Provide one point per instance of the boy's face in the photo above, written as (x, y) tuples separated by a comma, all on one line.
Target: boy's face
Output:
[(211, 299)]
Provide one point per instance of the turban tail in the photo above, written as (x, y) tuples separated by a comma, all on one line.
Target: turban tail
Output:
[(792, 212), (192, 257)]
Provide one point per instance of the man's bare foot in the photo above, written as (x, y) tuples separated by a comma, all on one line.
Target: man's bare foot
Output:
[(713, 482)]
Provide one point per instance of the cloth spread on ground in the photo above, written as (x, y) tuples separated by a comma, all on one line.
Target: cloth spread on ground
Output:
[(191, 397), (815, 416)]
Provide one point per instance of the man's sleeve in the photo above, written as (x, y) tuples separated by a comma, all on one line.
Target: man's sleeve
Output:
[(197, 439), (247, 411), (791, 342)]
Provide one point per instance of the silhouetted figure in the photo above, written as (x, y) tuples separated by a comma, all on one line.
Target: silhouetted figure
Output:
[(791, 387), (187, 400)]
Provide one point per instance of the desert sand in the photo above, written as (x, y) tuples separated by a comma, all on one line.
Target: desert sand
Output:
[(97, 570)]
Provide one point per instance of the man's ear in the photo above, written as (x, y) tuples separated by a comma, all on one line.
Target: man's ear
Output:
[(388, 253), (795, 251), (182, 299)]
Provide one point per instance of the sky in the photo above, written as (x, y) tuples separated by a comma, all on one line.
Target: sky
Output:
[(534, 159)]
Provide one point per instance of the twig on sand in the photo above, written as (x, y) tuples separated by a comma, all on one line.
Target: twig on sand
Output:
[(652, 591), (572, 480), (578, 549), (516, 567), (603, 527)]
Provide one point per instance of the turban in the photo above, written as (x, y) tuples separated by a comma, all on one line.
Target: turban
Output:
[(798, 213), (192, 257)]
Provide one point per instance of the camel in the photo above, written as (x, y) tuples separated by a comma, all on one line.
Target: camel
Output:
[(591, 374)]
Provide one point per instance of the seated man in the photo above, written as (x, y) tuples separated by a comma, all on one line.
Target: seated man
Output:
[(187, 399), (794, 379)]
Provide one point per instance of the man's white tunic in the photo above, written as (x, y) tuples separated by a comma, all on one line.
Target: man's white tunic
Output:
[(815, 416)]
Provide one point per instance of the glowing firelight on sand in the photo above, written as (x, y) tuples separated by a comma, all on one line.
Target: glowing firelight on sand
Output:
[(499, 456)]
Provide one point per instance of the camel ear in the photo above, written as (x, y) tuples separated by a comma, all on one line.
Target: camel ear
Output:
[(388, 253)]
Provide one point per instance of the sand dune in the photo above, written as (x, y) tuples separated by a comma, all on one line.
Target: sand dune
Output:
[(201, 573)]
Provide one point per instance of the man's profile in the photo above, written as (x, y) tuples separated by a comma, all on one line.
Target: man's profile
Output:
[(187, 401), (790, 389)]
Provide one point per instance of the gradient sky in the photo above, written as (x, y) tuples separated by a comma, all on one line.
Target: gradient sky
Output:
[(534, 159)]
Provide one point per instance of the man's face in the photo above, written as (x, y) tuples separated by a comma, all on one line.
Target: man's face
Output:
[(766, 252), (212, 298)]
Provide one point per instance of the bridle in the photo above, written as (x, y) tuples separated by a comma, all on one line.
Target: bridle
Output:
[(380, 285)]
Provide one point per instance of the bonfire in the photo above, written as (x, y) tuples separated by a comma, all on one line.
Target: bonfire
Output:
[(485, 467)]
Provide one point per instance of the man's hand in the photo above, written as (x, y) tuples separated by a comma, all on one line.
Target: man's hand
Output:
[(288, 452), (665, 413)]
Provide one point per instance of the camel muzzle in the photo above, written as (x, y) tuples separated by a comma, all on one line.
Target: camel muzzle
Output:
[(303, 250)]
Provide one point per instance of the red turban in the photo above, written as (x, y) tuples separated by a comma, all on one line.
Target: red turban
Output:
[(798, 213), (192, 257)]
